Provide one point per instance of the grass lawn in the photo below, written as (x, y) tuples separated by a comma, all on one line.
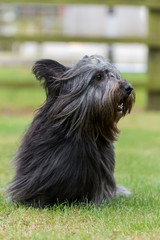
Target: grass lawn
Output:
[(137, 167)]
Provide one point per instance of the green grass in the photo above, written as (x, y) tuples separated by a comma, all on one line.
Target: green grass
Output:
[(21, 98), (17, 75), (138, 168)]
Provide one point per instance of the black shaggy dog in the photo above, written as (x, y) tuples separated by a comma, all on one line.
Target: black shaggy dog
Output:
[(67, 152)]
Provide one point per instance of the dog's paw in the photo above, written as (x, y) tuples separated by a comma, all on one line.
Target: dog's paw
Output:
[(122, 191)]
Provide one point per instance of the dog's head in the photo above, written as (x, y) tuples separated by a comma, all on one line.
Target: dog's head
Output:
[(88, 97)]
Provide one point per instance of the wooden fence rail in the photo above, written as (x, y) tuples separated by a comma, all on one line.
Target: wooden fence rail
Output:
[(148, 3)]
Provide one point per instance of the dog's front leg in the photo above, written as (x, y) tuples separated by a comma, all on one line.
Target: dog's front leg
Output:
[(122, 191)]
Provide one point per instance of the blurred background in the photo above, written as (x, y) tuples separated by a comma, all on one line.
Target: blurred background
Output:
[(31, 31)]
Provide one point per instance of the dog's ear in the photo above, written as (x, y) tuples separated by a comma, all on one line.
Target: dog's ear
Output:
[(47, 71)]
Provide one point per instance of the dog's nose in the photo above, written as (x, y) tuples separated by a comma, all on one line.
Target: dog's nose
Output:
[(128, 88)]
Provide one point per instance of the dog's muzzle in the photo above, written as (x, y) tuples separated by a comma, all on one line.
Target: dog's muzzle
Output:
[(127, 89)]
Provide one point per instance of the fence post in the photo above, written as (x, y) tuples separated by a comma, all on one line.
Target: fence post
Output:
[(154, 61)]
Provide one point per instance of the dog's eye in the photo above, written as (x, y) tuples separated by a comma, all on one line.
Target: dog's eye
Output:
[(98, 77)]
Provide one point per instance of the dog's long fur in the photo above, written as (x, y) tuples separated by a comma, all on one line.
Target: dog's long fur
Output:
[(67, 152)]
